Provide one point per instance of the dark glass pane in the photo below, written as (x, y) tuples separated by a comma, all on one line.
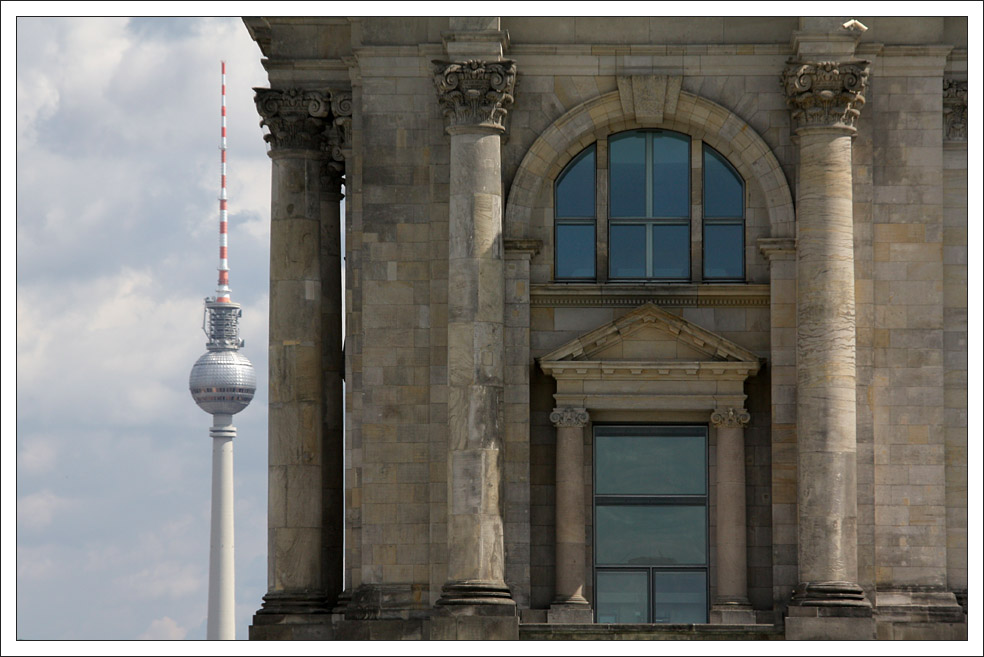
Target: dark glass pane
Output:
[(576, 187), (622, 597), (671, 251), (575, 251), (671, 175), (679, 597), (628, 175), (723, 248), (650, 465), (722, 187), (627, 251), (662, 535)]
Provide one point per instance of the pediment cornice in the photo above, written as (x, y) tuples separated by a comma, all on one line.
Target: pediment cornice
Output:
[(585, 348)]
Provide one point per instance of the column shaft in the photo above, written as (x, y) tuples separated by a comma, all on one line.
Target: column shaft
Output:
[(296, 431), (570, 513), (476, 558), (826, 404)]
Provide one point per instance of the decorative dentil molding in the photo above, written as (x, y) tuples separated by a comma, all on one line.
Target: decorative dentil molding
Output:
[(475, 93), (955, 110), (825, 94), (730, 418), (569, 417), (297, 118)]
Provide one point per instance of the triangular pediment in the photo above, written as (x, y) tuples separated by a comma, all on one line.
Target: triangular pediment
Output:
[(650, 333)]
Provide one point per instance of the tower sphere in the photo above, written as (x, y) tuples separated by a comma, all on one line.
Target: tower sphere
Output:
[(222, 382)]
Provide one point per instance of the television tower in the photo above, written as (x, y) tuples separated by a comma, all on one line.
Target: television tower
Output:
[(222, 383)]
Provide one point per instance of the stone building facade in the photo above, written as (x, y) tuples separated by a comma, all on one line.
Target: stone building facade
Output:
[(653, 327)]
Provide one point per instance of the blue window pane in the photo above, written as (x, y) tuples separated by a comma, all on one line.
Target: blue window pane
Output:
[(679, 597), (575, 251), (627, 251), (650, 465), (622, 596), (628, 175), (663, 535), (671, 175), (724, 245), (671, 251), (576, 187), (722, 187)]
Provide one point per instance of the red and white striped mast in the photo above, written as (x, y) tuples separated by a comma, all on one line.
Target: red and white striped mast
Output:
[(222, 291), (222, 383)]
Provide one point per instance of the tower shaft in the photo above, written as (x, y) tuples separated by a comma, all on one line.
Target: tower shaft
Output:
[(222, 565)]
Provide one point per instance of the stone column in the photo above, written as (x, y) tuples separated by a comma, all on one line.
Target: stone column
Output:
[(825, 98), (570, 605), (474, 97), (731, 602), (296, 519)]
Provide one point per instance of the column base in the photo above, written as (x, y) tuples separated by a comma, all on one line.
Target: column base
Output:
[(732, 612), (573, 610), (294, 603), (494, 597), (830, 594), (292, 616)]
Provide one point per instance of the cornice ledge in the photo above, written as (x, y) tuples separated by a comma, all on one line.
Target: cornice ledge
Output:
[(629, 294), (771, 247), (522, 246), (649, 370)]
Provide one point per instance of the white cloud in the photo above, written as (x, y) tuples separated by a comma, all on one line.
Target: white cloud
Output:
[(169, 579), (38, 510), (36, 456), (164, 629)]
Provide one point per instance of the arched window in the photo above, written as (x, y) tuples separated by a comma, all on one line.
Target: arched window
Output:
[(656, 219), (575, 218), (724, 219)]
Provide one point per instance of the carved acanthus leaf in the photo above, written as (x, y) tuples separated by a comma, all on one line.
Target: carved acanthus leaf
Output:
[(955, 110), (475, 93), (296, 117), (828, 94), (569, 417), (730, 418)]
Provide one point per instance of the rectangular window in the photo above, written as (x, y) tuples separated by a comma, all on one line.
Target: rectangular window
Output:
[(650, 524)]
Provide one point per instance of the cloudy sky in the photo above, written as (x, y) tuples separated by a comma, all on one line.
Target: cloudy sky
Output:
[(116, 245)]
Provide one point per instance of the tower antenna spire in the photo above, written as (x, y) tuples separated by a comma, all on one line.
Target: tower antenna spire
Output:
[(222, 383), (222, 291)]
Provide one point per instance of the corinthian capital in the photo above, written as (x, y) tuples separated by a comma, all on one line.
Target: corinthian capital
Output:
[(730, 418), (955, 110), (569, 417), (296, 117), (826, 94), (475, 93)]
